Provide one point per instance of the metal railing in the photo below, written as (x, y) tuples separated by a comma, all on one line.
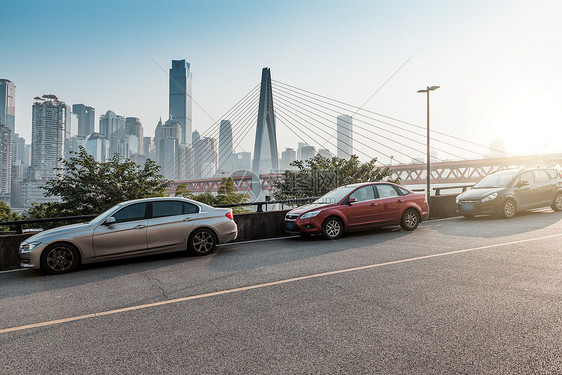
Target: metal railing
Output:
[(265, 203), (20, 223)]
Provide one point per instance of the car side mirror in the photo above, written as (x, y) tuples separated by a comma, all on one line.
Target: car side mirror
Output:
[(351, 200), (109, 221), (522, 183)]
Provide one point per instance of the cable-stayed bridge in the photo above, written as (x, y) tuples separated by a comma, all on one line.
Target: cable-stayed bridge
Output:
[(315, 120)]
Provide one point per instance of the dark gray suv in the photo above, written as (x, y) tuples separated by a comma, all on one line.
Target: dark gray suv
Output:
[(508, 191)]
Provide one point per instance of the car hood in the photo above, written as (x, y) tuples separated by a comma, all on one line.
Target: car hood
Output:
[(306, 208), (58, 232), (478, 193)]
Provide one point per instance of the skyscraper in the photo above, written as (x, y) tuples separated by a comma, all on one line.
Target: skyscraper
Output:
[(133, 127), (49, 116), (167, 148), (345, 136), (86, 119), (5, 160), (225, 162), (8, 104), (180, 97), (112, 127)]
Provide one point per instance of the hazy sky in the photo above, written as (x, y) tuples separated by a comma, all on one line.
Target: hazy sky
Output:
[(499, 63)]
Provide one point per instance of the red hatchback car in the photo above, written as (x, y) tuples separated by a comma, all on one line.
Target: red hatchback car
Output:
[(356, 207)]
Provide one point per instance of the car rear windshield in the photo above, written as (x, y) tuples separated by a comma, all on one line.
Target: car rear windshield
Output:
[(496, 180), (335, 196)]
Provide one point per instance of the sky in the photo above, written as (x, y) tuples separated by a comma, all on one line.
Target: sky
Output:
[(498, 63)]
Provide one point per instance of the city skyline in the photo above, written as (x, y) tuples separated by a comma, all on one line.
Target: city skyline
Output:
[(498, 75)]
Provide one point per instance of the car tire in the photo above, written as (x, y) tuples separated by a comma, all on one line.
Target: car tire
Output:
[(410, 219), (557, 204), (59, 258), (202, 242), (509, 209), (469, 216), (332, 229)]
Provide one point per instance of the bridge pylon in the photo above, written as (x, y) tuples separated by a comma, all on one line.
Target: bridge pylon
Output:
[(265, 146)]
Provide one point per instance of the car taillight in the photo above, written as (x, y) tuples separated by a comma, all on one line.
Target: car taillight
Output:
[(229, 215)]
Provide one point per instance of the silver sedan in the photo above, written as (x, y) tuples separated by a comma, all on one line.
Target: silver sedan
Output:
[(130, 229)]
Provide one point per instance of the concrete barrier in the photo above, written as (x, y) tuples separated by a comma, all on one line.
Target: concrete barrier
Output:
[(252, 226)]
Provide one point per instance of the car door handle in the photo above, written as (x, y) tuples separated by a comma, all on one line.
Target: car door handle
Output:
[(400, 201), (188, 219), (139, 227), (374, 204)]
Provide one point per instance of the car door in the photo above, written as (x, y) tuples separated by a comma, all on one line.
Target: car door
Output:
[(170, 223), (523, 190), (390, 203), (126, 234), (545, 188), (365, 211)]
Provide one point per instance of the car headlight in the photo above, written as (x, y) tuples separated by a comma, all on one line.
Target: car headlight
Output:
[(310, 214), (28, 247), (490, 197), (457, 200)]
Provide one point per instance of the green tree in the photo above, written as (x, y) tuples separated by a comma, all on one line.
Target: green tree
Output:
[(226, 194), (6, 214), (320, 174), (88, 187)]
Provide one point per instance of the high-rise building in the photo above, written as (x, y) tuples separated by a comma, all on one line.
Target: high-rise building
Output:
[(180, 97), (305, 151), (49, 116), (86, 119), (345, 136), (226, 150), (97, 145), (133, 127), (5, 160), (8, 104), (208, 156), (325, 153), (287, 157), (167, 148), (112, 127)]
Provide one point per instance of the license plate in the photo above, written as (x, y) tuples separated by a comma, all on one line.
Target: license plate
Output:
[(468, 207)]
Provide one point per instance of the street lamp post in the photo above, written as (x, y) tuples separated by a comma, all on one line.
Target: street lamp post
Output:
[(427, 90)]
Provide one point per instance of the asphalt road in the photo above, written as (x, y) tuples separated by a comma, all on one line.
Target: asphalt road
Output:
[(455, 296)]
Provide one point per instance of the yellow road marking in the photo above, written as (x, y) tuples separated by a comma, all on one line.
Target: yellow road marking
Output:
[(262, 285)]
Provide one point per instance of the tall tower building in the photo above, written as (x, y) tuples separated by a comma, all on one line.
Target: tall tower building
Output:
[(5, 160), (112, 127), (133, 127), (180, 97), (49, 116), (226, 151), (167, 148), (345, 136), (8, 104), (86, 119)]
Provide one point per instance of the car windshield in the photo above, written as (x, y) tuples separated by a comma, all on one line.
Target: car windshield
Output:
[(496, 180), (335, 196)]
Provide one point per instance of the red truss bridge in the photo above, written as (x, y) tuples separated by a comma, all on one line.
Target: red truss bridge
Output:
[(462, 171)]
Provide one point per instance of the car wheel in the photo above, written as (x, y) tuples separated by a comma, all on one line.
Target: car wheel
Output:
[(410, 219), (469, 216), (202, 242), (332, 229), (59, 258), (509, 209), (557, 204)]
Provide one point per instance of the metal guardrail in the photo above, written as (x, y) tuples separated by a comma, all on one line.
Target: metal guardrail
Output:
[(269, 202), (20, 223)]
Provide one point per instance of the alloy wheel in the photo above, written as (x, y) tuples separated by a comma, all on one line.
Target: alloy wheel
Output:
[(203, 242)]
